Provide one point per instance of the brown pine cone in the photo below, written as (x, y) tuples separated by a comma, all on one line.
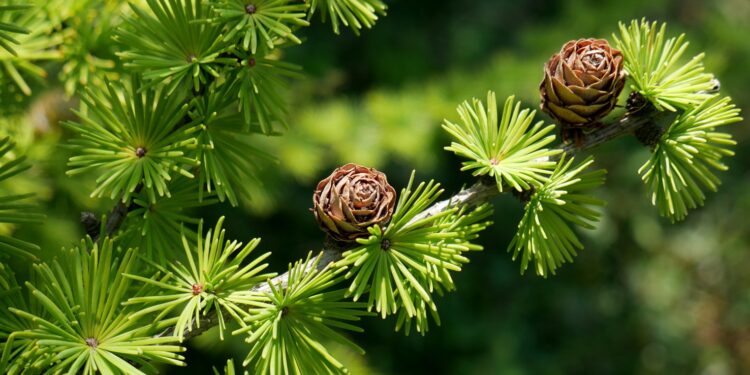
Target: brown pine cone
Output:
[(582, 83), (351, 199)]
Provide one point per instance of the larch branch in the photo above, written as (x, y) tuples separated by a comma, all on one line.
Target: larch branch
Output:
[(481, 192)]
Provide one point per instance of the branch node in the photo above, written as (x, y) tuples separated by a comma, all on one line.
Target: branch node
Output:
[(92, 342), (91, 224), (385, 244), (197, 289), (649, 131), (648, 134), (523, 195)]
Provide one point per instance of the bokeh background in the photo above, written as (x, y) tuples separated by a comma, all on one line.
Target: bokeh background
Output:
[(645, 296)]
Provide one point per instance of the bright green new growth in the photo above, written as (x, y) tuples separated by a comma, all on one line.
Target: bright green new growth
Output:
[(14, 208), (82, 325), (262, 89), (513, 151), (20, 351), (260, 22), (684, 156), (355, 14), (213, 281), (226, 149), (652, 64), (457, 229), (682, 161), (88, 54), (135, 138), (288, 323), (176, 45), (7, 29), (544, 234), (401, 266), (21, 62)]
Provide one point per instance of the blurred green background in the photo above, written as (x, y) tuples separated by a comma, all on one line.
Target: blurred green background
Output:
[(645, 296)]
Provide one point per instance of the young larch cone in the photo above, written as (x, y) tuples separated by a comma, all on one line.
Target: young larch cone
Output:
[(351, 199), (582, 83)]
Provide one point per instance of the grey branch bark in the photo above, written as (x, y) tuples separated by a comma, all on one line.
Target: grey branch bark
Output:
[(482, 191), (328, 256)]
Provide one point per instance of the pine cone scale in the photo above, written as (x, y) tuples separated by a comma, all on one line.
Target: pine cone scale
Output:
[(571, 77), (588, 94), (565, 115), (564, 93), (587, 110)]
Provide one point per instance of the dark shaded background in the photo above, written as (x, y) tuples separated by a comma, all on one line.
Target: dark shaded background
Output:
[(645, 296)]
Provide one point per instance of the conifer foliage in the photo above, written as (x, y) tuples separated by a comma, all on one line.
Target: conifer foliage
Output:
[(172, 97)]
